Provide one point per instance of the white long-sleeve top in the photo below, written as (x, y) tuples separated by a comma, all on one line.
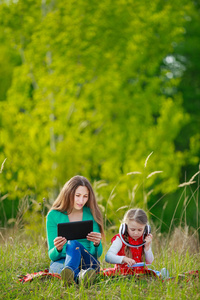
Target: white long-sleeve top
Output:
[(113, 258)]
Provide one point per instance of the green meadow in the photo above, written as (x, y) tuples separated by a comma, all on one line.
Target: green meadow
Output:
[(21, 254)]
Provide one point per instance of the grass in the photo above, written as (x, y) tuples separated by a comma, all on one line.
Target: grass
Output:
[(24, 252), (20, 254)]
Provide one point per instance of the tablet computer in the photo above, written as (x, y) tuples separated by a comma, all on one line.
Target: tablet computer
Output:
[(141, 264), (75, 230)]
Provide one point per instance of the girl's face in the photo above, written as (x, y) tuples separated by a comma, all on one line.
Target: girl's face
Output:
[(135, 230), (80, 197)]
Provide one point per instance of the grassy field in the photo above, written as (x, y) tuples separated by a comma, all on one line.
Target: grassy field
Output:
[(20, 254)]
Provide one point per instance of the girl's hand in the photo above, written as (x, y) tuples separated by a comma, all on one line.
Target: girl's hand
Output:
[(94, 237), (59, 242), (148, 240), (129, 261)]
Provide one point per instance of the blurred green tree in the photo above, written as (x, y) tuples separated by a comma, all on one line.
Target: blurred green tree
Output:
[(92, 96)]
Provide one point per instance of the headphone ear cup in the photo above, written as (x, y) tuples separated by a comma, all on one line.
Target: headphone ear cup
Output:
[(123, 228), (147, 230), (126, 228)]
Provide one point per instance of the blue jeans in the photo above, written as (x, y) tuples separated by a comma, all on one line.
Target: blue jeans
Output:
[(77, 258)]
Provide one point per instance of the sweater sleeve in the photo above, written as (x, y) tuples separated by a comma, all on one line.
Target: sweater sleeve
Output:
[(96, 251), (51, 227), (149, 256), (111, 255)]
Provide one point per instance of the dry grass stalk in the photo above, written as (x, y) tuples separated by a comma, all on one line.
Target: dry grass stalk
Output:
[(182, 241), (186, 183), (145, 164), (2, 165), (191, 179), (122, 207), (153, 173), (133, 173)]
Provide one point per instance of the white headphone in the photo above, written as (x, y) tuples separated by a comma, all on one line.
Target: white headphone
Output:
[(123, 228)]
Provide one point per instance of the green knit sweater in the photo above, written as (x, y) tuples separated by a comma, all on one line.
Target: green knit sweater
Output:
[(53, 218)]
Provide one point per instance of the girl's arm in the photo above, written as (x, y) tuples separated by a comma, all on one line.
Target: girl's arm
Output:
[(148, 256), (111, 255), (147, 249)]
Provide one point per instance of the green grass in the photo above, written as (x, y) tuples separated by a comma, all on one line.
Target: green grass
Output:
[(20, 254)]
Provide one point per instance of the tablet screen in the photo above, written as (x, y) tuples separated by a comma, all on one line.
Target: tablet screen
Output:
[(75, 230)]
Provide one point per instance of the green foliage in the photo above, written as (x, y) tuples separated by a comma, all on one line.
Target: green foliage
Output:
[(187, 55), (93, 96)]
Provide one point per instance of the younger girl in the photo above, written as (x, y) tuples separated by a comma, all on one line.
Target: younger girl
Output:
[(75, 260), (123, 255)]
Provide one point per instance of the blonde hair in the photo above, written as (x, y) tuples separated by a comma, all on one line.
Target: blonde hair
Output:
[(138, 215), (65, 200), (135, 214)]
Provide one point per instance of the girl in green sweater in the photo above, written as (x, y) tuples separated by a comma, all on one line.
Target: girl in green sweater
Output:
[(75, 260)]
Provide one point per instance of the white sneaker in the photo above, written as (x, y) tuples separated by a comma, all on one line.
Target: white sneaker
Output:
[(87, 277), (67, 275)]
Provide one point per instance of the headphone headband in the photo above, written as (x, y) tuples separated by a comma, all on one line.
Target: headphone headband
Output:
[(122, 230)]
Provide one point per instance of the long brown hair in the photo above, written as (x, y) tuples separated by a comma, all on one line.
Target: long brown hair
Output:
[(138, 215), (65, 200)]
